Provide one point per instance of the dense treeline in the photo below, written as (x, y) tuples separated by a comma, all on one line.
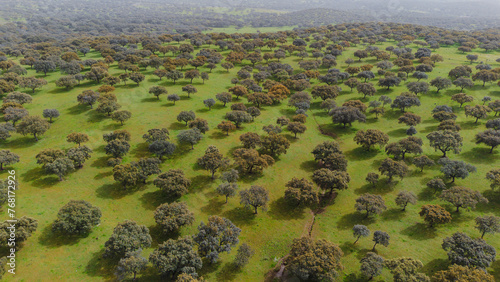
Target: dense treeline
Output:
[(35, 21)]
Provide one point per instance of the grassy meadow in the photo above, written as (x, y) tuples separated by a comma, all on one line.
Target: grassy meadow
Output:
[(48, 257)]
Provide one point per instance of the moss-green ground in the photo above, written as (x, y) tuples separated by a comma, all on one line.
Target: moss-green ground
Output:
[(46, 257)]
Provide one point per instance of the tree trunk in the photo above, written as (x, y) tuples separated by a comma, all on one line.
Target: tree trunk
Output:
[(213, 172), (34, 135), (226, 199), (482, 235), (373, 249), (357, 239), (1, 166), (444, 154), (458, 207), (255, 210)]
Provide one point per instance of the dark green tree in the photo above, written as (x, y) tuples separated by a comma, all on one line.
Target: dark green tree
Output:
[(435, 214), (77, 218), (463, 197), (359, 231), (465, 251), (217, 236), (255, 197), (213, 160), (301, 192), (175, 257), (380, 237), (371, 265), (173, 182), (132, 263), (314, 260), (128, 236), (171, 217), (404, 198), (191, 136)]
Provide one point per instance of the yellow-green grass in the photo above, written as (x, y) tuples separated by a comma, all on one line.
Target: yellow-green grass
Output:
[(46, 256)]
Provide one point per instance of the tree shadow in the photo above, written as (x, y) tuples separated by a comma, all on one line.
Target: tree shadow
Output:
[(362, 253), (101, 162), (214, 206), (249, 178), (348, 221), (200, 183), (495, 270), (426, 194), (53, 240), (94, 116), (101, 267), (159, 235), (46, 182), (151, 200), (241, 216), (381, 188), (348, 247), (359, 154), (228, 272), (337, 129), (112, 126), (141, 150), (309, 166), (77, 109), (420, 231), (281, 210), (479, 155), (178, 126), (428, 129), (353, 278), (434, 266), (208, 267), (19, 143), (494, 201), (203, 110), (59, 90), (468, 125), (218, 135), (397, 133), (150, 99), (393, 114), (33, 174), (393, 214), (460, 217), (111, 191), (102, 175)]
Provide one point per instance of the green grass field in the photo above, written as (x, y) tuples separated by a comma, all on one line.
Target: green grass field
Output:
[(46, 257)]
